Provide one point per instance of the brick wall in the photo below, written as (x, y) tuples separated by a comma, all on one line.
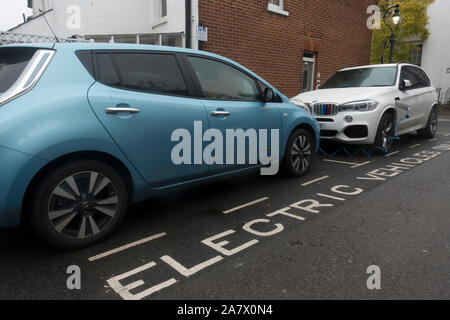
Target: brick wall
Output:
[(272, 45)]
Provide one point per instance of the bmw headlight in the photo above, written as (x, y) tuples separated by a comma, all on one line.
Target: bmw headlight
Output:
[(300, 103), (366, 105)]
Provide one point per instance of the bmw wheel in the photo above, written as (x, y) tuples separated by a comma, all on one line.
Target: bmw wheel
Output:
[(385, 134), (79, 204), (299, 154), (432, 125)]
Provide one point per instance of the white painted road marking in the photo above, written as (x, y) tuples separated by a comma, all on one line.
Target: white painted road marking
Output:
[(415, 146), (125, 247), (434, 139), (444, 119), (245, 205), (314, 181), (392, 153), (124, 291), (330, 197), (342, 162), (353, 164), (361, 164)]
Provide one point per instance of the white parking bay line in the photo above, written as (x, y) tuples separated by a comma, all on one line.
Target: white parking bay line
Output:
[(245, 205), (434, 139), (361, 164), (415, 146), (127, 246), (314, 181), (353, 164), (342, 162), (392, 153)]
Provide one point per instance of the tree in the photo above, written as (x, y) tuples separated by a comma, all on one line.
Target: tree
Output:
[(412, 26)]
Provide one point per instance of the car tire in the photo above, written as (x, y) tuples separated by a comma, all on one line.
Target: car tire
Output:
[(78, 204), (299, 154), (432, 125), (385, 134)]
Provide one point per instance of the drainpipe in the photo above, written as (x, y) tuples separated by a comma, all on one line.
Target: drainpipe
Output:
[(188, 15)]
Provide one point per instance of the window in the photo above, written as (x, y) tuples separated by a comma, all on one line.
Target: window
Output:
[(107, 73), (362, 77), (424, 79), (277, 6), (416, 55), (408, 73), (220, 81), (151, 72), (160, 12), (417, 76), (12, 63), (163, 8)]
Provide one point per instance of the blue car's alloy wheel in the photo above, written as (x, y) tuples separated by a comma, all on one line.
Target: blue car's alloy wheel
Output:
[(299, 154), (83, 204), (78, 204)]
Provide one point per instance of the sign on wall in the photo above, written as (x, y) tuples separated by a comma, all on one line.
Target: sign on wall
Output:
[(202, 33)]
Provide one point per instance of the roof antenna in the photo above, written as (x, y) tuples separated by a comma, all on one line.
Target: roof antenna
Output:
[(43, 15)]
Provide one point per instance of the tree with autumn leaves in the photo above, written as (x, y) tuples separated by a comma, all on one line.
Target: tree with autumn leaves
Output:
[(412, 26)]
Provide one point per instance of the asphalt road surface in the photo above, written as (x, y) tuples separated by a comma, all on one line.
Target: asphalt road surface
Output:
[(255, 237)]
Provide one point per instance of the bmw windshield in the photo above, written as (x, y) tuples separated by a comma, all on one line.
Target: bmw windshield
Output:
[(362, 77)]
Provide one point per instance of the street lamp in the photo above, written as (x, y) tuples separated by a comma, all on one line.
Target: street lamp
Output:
[(395, 21)]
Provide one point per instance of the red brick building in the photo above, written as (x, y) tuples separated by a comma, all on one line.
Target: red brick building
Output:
[(286, 41)]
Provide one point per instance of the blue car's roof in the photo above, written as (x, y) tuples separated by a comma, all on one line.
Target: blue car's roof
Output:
[(112, 46), (74, 46)]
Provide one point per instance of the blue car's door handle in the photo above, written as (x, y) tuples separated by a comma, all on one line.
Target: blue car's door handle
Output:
[(122, 109), (220, 114)]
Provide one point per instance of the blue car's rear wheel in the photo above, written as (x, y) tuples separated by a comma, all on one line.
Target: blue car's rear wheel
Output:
[(79, 204)]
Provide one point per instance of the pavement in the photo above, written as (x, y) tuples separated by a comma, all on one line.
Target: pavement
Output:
[(256, 237)]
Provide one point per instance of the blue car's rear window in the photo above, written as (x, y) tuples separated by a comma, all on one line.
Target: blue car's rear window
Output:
[(12, 63)]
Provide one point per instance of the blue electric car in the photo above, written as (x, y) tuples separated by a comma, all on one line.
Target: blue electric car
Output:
[(86, 129)]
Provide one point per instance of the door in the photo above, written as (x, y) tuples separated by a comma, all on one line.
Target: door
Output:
[(142, 98), (233, 100), (427, 97), (308, 72), (410, 97)]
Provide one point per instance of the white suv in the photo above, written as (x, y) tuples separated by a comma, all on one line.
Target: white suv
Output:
[(372, 104)]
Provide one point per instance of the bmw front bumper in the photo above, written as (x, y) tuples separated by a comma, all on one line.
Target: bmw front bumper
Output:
[(360, 129)]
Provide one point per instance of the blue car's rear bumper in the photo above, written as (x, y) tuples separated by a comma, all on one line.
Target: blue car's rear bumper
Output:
[(16, 170)]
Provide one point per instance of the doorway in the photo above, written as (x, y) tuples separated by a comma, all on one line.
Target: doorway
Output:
[(309, 61)]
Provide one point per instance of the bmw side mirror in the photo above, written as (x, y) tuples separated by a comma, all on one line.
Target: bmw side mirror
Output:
[(405, 84), (268, 95)]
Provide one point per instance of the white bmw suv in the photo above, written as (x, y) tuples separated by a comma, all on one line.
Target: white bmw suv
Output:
[(373, 104)]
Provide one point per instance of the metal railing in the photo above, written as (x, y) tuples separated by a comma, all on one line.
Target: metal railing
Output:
[(14, 38)]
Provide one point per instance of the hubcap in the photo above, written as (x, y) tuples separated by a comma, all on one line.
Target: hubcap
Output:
[(82, 204), (434, 123), (301, 154), (386, 135)]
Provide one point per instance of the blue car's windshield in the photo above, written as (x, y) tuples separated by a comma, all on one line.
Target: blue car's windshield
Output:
[(364, 77), (12, 63)]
